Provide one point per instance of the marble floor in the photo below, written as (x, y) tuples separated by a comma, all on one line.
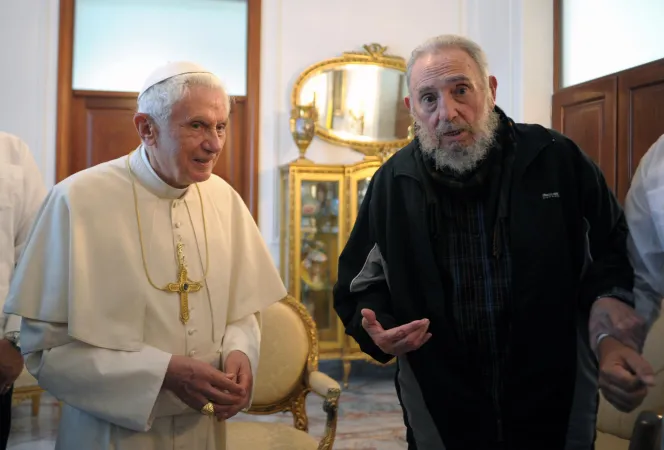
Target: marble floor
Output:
[(369, 415)]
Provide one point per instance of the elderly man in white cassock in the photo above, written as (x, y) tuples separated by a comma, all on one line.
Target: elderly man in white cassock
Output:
[(142, 283)]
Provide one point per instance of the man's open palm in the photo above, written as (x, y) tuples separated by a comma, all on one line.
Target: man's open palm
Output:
[(396, 341)]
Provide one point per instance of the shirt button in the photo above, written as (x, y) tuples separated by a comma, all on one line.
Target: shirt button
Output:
[(192, 353), (191, 331), (177, 224)]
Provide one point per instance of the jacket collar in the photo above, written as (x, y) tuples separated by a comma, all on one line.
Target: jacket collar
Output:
[(527, 140)]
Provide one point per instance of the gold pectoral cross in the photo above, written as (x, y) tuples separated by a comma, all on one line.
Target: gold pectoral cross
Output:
[(183, 287)]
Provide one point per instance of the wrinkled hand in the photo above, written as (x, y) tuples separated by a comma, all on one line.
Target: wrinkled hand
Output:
[(196, 383), (613, 317), (397, 341), (11, 365), (624, 375), (237, 364)]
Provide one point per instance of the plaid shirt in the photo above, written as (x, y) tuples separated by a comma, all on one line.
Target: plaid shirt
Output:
[(474, 261), (478, 286)]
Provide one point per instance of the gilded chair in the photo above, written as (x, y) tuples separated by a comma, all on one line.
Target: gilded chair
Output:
[(26, 387), (616, 430), (287, 373)]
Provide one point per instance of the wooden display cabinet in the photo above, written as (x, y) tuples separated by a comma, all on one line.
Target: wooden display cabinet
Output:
[(319, 205)]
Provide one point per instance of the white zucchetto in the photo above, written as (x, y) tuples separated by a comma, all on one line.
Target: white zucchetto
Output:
[(170, 70)]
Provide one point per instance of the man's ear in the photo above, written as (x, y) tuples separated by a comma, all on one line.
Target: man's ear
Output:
[(146, 129), (406, 101), (493, 86)]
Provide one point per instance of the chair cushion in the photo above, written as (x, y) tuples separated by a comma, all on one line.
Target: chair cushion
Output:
[(606, 441), (267, 436), (284, 352), (25, 380)]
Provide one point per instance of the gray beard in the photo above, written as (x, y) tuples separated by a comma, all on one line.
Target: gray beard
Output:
[(457, 157)]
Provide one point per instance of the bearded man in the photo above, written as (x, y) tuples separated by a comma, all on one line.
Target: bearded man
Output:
[(484, 254)]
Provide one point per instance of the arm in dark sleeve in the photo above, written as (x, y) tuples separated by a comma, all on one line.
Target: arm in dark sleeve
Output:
[(609, 273), (362, 280)]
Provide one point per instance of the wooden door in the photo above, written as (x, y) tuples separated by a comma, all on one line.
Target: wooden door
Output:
[(97, 126), (586, 113), (103, 129), (640, 117)]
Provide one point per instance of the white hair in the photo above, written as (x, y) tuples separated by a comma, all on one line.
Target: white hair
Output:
[(438, 43), (159, 99)]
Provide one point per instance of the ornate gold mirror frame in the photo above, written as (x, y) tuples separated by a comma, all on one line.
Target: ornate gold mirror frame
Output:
[(373, 55)]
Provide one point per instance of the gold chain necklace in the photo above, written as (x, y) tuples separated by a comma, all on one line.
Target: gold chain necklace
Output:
[(184, 284)]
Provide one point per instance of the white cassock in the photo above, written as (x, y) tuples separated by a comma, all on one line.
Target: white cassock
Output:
[(21, 194), (99, 337), (644, 211)]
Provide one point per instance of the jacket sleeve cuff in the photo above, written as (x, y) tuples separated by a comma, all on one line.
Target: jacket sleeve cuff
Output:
[(621, 294)]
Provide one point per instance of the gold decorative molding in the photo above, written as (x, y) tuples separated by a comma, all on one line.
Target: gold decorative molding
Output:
[(377, 54)]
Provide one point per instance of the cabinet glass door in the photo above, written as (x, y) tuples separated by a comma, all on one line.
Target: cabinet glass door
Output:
[(359, 179), (362, 186), (319, 252)]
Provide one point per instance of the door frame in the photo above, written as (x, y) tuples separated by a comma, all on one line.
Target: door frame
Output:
[(65, 92)]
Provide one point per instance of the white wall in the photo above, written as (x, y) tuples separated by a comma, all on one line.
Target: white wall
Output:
[(292, 40), (296, 34), (534, 72), (601, 37), (28, 76)]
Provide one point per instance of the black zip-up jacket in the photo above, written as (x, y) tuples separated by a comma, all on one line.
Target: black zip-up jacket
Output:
[(567, 240)]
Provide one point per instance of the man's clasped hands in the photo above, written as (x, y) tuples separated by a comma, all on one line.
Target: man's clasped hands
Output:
[(196, 383)]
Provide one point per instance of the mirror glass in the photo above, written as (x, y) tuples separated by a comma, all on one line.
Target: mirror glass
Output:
[(359, 102)]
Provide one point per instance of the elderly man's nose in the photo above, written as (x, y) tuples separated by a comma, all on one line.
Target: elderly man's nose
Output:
[(213, 143), (447, 111)]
